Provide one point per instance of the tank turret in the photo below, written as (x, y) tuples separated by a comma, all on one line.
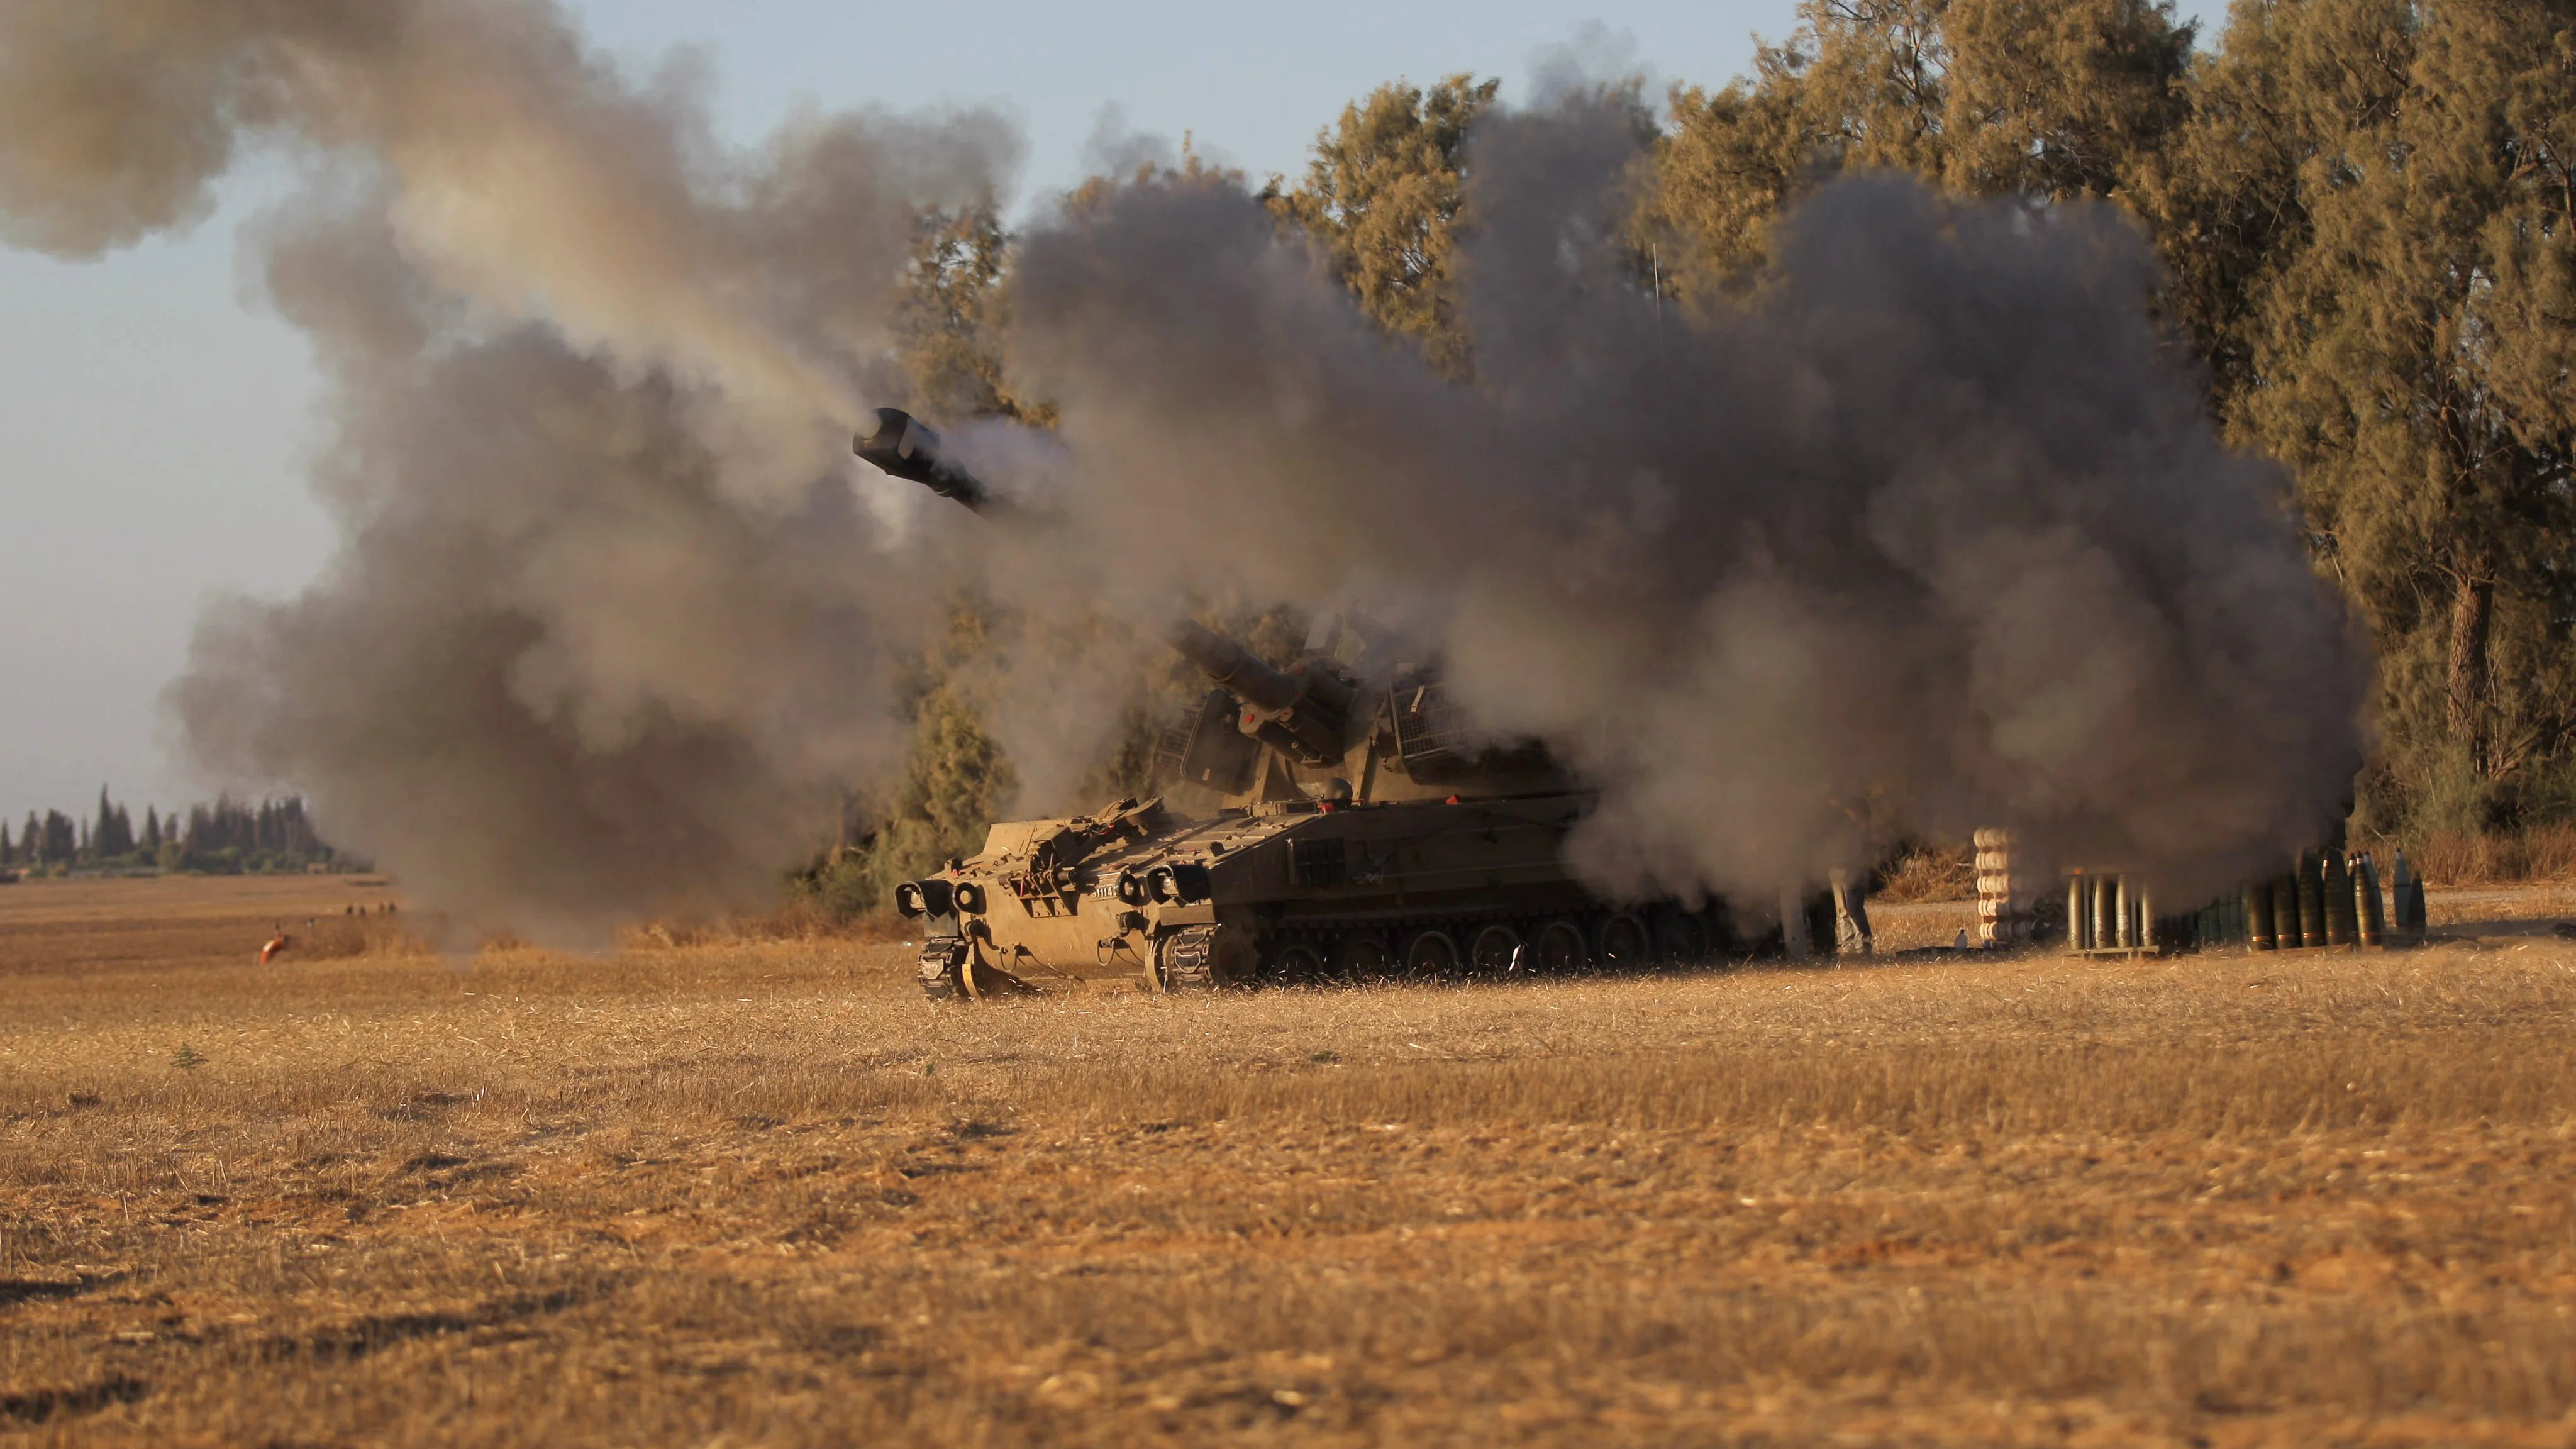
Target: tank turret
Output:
[(1303, 712)]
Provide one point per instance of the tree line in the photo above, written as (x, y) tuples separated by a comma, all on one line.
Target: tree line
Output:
[(2364, 210), (223, 837)]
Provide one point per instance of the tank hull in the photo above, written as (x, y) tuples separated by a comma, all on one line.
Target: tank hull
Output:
[(1368, 827), (1291, 892)]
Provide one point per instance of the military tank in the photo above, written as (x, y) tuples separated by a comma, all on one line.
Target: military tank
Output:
[(1354, 830)]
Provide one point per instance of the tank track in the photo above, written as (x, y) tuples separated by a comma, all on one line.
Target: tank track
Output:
[(1188, 960), (942, 968)]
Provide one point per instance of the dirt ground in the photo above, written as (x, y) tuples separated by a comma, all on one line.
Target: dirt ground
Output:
[(761, 1193)]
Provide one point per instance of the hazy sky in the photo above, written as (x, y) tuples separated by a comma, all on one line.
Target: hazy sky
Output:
[(157, 425)]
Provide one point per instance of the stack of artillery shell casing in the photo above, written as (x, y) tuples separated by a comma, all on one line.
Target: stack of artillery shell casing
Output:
[(2341, 918), (2365, 889), (2331, 899), (2104, 913), (2408, 890), (2005, 901), (2260, 932)]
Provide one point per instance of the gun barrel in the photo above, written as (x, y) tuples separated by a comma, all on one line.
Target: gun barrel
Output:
[(1232, 665), (905, 447)]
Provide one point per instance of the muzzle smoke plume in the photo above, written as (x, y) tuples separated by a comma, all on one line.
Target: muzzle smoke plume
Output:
[(1929, 533), (606, 634)]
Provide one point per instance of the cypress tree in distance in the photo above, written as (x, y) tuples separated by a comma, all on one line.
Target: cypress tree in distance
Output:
[(113, 833), (61, 840), (225, 837)]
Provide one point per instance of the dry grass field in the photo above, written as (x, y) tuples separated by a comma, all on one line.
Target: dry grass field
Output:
[(761, 1193)]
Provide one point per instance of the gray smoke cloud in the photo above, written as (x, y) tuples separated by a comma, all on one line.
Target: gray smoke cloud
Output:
[(609, 632), (1929, 533)]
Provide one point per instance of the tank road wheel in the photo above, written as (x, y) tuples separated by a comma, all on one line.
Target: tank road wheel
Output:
[(1294, 962), (1199, 958), (1235, 960), (1558, 948), (1495, 950), (1181, 962), (942, 968), (1361, 956), (1430, 954), (1681, 939), (1621, 942)]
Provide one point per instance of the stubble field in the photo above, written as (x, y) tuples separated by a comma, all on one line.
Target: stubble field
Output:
[(760, 1193)]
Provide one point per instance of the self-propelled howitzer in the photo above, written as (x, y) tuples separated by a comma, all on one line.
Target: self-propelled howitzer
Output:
[(1350, 827)]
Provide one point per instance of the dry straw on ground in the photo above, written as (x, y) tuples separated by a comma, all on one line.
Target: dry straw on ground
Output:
[(763, 1191), (1931, 873), (2540, 853)]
